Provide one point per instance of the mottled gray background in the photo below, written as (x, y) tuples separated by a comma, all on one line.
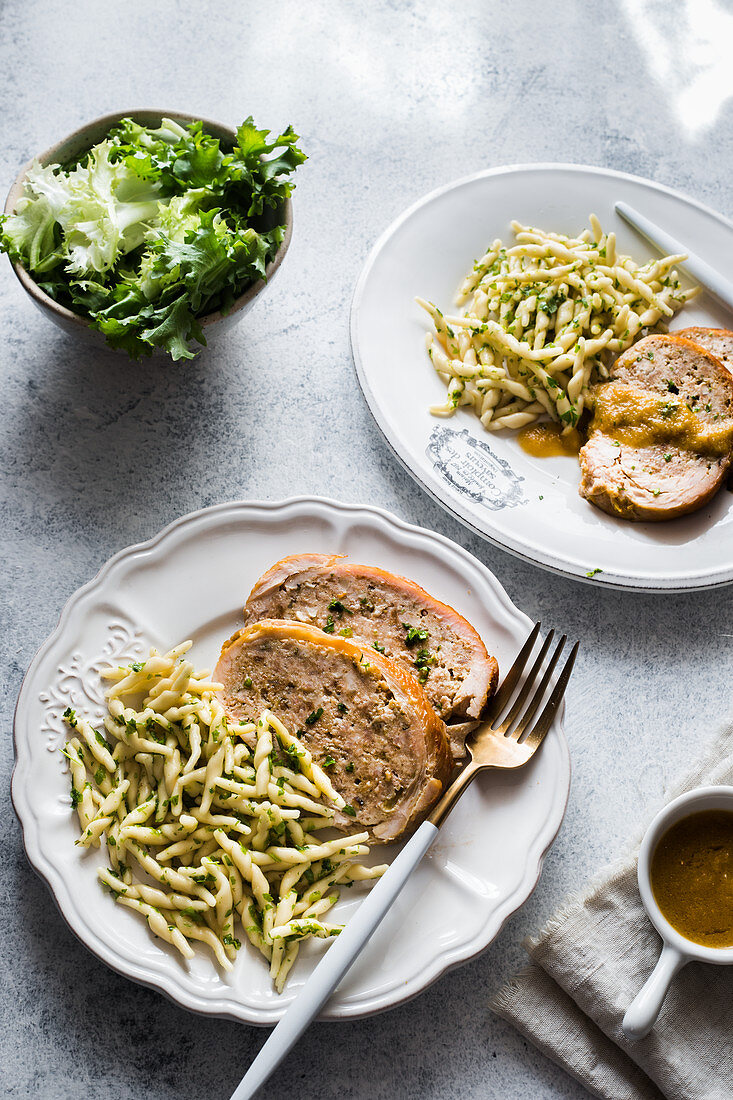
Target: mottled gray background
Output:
[(391, 100)]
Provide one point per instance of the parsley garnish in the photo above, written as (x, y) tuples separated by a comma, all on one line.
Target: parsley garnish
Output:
[(422, 662), (102, 741), (330, 624), (414, 634), (336, 605), (312, 718)]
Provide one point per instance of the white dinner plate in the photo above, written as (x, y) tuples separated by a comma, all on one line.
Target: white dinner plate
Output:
[(527, 505), (191, 581)]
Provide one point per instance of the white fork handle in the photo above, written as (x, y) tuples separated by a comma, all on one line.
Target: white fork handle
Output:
[(717, 284), (647, 1004), (337, 960)]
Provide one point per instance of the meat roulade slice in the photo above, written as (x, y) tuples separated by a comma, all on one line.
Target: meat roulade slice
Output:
[(395, 617), (661, 440)]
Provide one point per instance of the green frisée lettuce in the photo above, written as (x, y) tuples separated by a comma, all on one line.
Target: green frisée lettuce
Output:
[(153, 228)]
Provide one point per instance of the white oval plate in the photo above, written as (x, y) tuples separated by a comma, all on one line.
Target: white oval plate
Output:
[(529, 506), (190, 581)]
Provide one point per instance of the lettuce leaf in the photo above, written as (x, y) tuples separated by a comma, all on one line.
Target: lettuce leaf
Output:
[(155, 227)]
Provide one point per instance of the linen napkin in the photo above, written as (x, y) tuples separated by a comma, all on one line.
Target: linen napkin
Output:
[(591, 960)]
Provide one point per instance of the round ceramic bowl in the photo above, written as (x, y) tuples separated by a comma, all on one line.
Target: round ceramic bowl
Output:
[(213, 324), (677, 951)]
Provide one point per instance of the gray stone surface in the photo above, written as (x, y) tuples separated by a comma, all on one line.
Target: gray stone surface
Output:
[(391, 100)]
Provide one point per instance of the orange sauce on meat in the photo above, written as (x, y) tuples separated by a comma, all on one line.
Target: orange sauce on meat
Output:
[(692, 877), (642, 418), (547, 440)]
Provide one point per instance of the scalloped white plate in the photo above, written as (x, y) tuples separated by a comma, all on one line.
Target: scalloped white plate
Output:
[(529, 506), (190, 581)]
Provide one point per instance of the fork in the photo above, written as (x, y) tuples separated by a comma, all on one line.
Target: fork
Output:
[(507, 745)]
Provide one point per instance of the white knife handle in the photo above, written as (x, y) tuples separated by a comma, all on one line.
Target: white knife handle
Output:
[(720, 287), (334, 964)]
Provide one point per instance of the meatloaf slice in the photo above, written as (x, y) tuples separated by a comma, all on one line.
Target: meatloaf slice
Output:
[(394, 616), (661, 439), (365, 720), (718, 341)]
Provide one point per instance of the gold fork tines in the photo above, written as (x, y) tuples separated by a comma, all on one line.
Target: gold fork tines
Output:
[(512, 743)]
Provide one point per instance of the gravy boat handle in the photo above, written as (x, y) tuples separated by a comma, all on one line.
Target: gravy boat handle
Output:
[(642, 1013)]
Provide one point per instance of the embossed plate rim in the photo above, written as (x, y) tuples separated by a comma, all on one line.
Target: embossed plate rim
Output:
[(717, 575), (437, 553)]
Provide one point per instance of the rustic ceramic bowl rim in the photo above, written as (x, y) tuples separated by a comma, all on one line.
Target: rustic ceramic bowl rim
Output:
[(694, 801), (218, 129)]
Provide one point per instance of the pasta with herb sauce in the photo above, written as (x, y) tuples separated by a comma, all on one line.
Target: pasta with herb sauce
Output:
[(542, 321), (209, 824)]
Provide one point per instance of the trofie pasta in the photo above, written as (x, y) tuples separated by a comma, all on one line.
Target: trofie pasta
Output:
[(542, 321), (208, 823)]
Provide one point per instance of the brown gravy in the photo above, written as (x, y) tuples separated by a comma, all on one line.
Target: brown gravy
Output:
[(692, 877), (545, 440)]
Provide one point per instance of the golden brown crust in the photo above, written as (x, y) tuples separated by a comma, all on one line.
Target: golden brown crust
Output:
[(699, 330), (284, 568)]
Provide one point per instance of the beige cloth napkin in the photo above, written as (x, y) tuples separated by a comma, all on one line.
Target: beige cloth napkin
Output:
[(590, 961)]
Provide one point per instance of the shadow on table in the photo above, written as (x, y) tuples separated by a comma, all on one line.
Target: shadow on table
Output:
[(124, 435)]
